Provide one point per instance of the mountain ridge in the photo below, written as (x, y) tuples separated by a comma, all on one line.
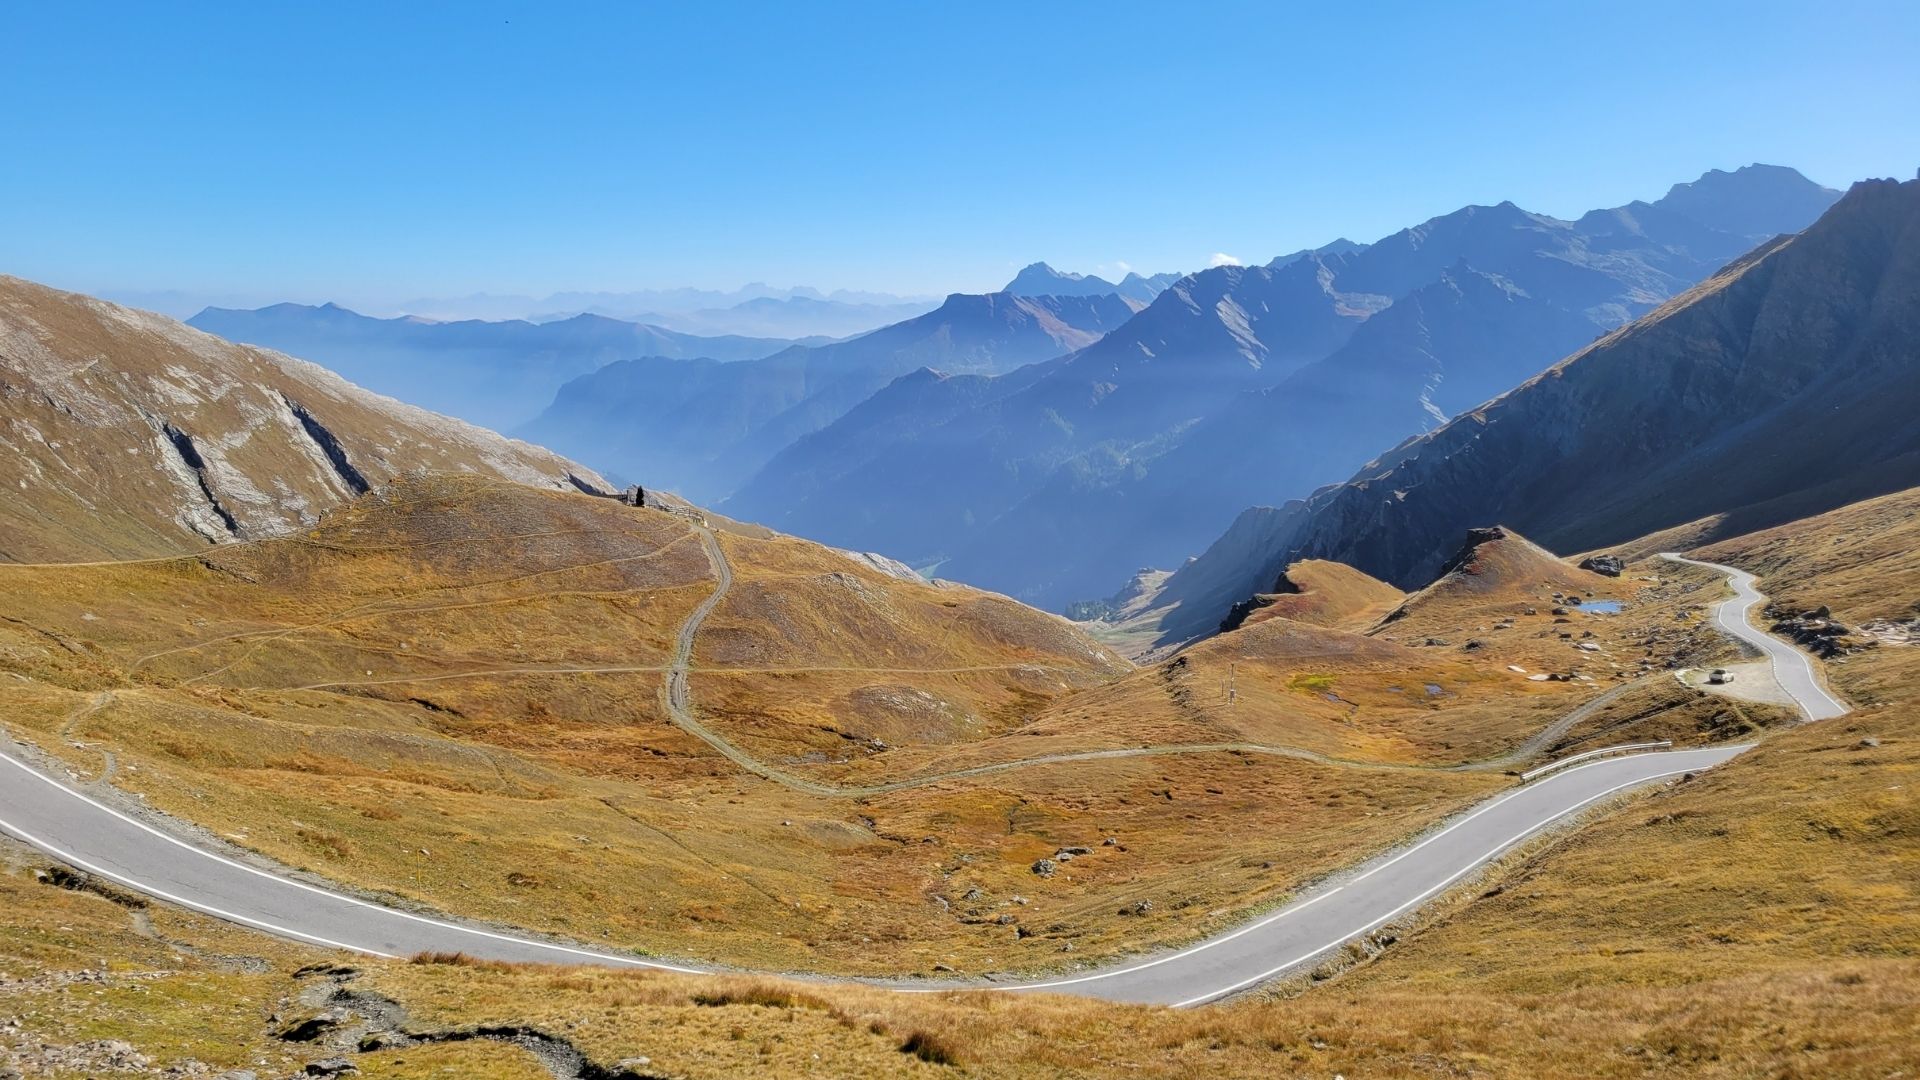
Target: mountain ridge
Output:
[(727, 419), (1702, 409), (1239, 386), (1040, 279), (496, 374), (130, 434)]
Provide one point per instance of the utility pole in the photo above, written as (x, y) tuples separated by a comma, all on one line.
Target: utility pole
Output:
[(1231, 692)]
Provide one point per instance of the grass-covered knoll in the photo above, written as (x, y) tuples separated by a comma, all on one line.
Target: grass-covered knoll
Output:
[(1327, 594)]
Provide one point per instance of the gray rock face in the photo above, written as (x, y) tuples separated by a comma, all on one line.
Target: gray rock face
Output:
[(1610, 565)]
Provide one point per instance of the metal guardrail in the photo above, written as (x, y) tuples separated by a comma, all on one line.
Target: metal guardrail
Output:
[(1552, 765)]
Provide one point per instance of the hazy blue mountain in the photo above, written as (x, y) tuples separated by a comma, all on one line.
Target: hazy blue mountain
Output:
[(1039, 279), (1719, 409), (1444, 348), (792, 317), (496, 374), (1211, 337), (1342, 246), (1756, 201), (637, 305), (1240, 386), (1145, 288), (702, 427), (852, 453)]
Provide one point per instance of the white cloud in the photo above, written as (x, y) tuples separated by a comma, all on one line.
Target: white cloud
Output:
[(1221, 258)]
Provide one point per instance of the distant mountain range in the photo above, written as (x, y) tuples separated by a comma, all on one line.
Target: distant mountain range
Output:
[(791, 317), (497, 374), (1039, 279), (702, 427), (636, 305), (1241, 386), (1783, 387)]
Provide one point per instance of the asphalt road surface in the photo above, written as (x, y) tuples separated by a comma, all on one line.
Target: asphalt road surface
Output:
[(49, 813), (1791, 665)]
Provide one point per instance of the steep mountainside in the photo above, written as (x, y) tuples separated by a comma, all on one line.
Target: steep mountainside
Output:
[(1039, 279), (843, 454), (128, 434), (1243, 386), (981, 487), (1781, 387), (497, 374), (701, 427)]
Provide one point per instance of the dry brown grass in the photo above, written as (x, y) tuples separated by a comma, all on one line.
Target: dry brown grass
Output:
[(1761, 920), (1329, 594), (1862, 560), (473, 772), (1845, 1017), (89, 474)]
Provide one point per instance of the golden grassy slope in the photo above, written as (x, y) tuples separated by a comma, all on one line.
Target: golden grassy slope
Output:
[(1759, 920), (453, 692), (1448, 678), (97, 402), (1328, 594), (1862, 560)]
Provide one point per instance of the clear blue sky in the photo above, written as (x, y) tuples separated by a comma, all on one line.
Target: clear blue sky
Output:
[(396, 150)]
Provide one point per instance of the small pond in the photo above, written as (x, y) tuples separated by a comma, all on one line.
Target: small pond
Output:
[(1601, 607)]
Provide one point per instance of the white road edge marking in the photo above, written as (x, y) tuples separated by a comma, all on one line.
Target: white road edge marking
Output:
[(1813, 677), (1457, 875), (1208, 944), (1515, 793), (74, 860), (1091, 977), (143, 826)]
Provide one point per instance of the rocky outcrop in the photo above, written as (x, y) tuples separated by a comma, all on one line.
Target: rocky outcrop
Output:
[(1238, 614), (126, 434), (1465, 559), (1820, 633), (1610, 565)]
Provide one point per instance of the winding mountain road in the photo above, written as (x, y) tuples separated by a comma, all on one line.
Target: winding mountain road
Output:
[(143, 855), (1791, 666)]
